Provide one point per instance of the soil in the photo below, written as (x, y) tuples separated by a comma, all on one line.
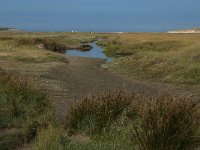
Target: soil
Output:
[(80, 77)]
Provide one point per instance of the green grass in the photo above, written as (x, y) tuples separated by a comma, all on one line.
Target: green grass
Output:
[(52, 138), (167, 123), (160, 57), (162, 122), (96, 113), (23, 110), (98, 122)]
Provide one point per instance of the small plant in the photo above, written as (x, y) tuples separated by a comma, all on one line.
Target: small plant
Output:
[(95, 113), (167, 123)]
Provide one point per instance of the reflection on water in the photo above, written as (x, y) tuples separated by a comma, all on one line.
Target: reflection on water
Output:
[(95, 52)]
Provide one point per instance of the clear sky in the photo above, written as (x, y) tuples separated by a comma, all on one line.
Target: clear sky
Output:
[(100, 15)]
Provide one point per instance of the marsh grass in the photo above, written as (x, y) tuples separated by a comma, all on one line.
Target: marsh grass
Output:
[(95, 113), (52, 138), (57, 138), (23, 110), (162, 57), (115, 49), (167, 123), (119, 120)]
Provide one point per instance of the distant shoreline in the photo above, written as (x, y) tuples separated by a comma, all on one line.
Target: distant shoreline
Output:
[(8, 29), (192, 30)]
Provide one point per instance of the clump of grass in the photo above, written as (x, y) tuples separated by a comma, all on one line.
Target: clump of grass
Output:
[(167, 123), (23, 110), (52, 138), (95, 113)]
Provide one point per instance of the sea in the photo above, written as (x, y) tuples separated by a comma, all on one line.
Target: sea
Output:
[(100, 15)]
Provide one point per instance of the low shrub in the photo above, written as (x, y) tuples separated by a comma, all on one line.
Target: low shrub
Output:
[(167, 123)]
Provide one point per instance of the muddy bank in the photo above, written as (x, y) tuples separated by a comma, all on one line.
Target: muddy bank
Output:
[(84, 47)]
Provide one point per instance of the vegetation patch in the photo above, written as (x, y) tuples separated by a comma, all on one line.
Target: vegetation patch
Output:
[(167, 123), (158, 57), (95, 113), (23, 110), (146, 123)]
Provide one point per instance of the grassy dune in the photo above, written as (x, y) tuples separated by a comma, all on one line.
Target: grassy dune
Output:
[(163, 57)]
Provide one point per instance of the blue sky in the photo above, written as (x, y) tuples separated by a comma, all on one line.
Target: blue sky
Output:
[(100, 15)]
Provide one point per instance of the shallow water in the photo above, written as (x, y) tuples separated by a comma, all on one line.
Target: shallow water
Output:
[(95, 52)]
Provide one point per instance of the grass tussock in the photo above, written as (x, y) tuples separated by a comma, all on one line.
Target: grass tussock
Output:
[(167, 123), (95, 113), (23, 110)]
